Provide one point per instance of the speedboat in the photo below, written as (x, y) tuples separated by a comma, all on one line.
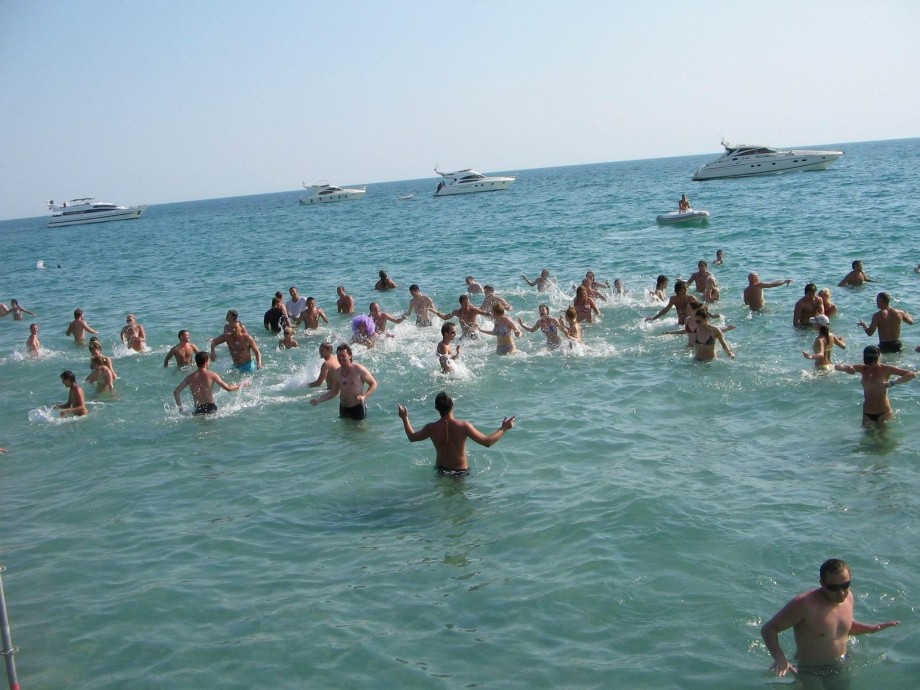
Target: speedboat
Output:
[(688, 217), (79, 211), (469, 181), (323, 192), (749, 161)]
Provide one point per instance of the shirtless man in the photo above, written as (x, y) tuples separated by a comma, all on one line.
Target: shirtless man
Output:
[(887, 320), (822, 621), (385, 282), (807, 307), (101, 375), (472, 287), (856, 277), (330, 365), (76, 401), (232, 318), (348, 383), (295, 305), (876, 406), (543, 283), (467, 315), (133, 334), (380, 320), (445, 352), (753, 293), (312, 314), (240, 345), (422, 305), (449, 436), (683, 205), (699, 278), (345, 303), (184, 351), (202, 384), (680, 300), (78, 328), (491, 299), (33, 347)]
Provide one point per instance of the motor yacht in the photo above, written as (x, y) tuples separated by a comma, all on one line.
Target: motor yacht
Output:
[(749, 161), (469, 181), (323, 192), (88, 210)]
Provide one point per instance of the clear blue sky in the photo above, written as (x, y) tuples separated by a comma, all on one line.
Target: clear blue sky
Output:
[(154, 101)]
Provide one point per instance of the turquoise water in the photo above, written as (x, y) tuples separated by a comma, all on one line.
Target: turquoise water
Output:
[(635, 529)]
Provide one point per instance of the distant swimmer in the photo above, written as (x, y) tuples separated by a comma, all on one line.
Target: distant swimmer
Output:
[(876, 406), (202, 384), (449, 435), (504, 330), (421, 304), (807, 307), (571, 329), (445, 352), (345, 303), (4, 310), (17, 311), (824, 344), (330, 365), (720, 257), (76, 400), (78, 328), (243, 349), (468, 318), (184, 351), (348, 383), (133, 334), (753, 293), (822, 620), (310, 316), (856, 277), (683, 205), (385, 282), (548, 325), (705, 337), (33, 346), (381, 318), (543, 283), (472, 287), (887, 320), (95, 349)]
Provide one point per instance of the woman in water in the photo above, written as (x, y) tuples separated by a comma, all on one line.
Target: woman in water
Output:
[(876, 406), (548, 325), (570, 326), (824, 345), (504, 329), (660, 292), (585, 307), (705, 336)]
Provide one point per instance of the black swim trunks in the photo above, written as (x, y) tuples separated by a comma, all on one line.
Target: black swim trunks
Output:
[(205, 408), (358, 412), (447, 472), (890, 346)]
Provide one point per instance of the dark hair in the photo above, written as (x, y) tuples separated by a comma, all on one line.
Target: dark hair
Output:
[(871, 354), (678, 284), (413, 288), (343, 346), (443, 403), (884, 296), (811, 287), (234, 313), (68, 375), (181, 332), (833, 566), (201, 358)]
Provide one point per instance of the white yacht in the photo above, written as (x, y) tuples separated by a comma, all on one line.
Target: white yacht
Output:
[(79, 211), (324, 193), (748, 161), (469, 181)]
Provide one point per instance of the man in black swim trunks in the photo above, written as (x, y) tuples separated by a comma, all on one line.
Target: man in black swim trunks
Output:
[(202, 383), (348, 383), (449, 436), (888, 322)]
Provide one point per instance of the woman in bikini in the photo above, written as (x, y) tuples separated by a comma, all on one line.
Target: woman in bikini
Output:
[(876, 406), (548, 325), (502, 328), (585, 307), (824, 346), (705, 337)]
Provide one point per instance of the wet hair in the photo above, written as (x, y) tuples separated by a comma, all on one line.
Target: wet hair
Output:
[(824, 331), (464, 298), (345, 347), (77, 313), (871, 354), (811, 287), (234, 313), (571, 313), (413, 288), (68, 375), (679, 285), (181, 332), (446, 327), (884, 296), (488, 288), (383, 275), (443, 403), (498, 309), (661, 282), (855, 264), (201, 358), (279, 295), (276, 302), (701, 313), (325, 349), (542, 307), (833, 566)]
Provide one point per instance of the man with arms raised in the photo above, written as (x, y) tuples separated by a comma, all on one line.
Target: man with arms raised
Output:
[(753, 293), (449, 436), (348, 382), (822, 621), (887, 320), (202, 384)]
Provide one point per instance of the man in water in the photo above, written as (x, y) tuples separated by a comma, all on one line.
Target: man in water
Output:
[(422, 305), (808, 306), (184, 351), (345, 303), (33, 346), (822, 621), (295, 305), (78, 328), (275, 319), (680, 300), (76, 400), (348, 382), (385, 282), (753, 293), (380, 319), (449, 436), (856, 277), (240, 345), (887, 320), (330, 364), (444, 350), (202, 384), (543, 283), (312, 314), (699, 277)]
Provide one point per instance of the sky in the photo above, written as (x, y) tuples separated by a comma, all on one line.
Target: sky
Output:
[(155, 102)]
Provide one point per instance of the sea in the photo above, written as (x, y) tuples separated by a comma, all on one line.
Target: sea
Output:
[(644, 517)]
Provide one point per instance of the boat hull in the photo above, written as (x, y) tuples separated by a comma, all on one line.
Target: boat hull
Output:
[(86, 217), (487, 185), (684, 218), (792, 161), (349, 195)]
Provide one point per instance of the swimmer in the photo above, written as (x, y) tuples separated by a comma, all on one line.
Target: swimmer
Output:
[(699, 277), (705, 337), (822, 621), (887, 320), (584, 305), (856, 277), (543, 283), (287, 342), (312, 314), (824, 344), (232, 318), (202, 384), (711, 293), (275, 319), (467, 315), (95, 349), (363, 329), (720, 258), (570, 326), (619, 288), (449, 435), (330, 364), (345, 304), (808, 306), (421, 304), (472, 287), (380, 320), (503, 328), (444, 350), (240, 345), (491, 299), (348, 383), (78, 328), (17, 311), (660, 292), (589, 285), (133, 335), (76, 400), (679, 300), (829, 307), (102, 375), (876, 406), (33, 346), (385, 282), (184, 351), (548, 325)]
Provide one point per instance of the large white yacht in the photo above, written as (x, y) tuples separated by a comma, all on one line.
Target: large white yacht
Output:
[(80, 211), (324, 193), (748, 161), (469, 181)]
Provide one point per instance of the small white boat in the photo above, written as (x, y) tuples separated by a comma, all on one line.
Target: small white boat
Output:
[(405, 197), (751, 161), (469, 181), (88, 210), (323, 193), (689, 217)]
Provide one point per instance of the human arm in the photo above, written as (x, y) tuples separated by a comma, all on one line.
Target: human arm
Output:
[(178, 390), (411, 433), (791, 614), (322, 315), (774, 283), (904, 375), (329, 394), (857, 628), (721, 338), (214, 343), (528, 328), (531, 283), (76, 405), (229, 387), (256, 351), (169, 356), (368, 378), (873, 325), (849, 368), (321, 377), (476, 435), (663, 311), (905, 317)]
